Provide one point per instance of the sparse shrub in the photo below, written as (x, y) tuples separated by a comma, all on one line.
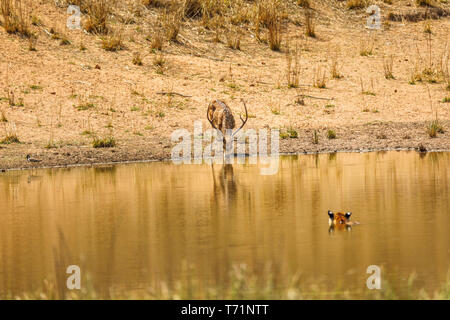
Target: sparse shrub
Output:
[(415, 75), (293, 68), (160, 114), (304, 3), (334, 68), (156, 3), (85, 106), (97, 16), (137, 59), (284, 135), (275, 34), (64, 41), (293, 134), (309, 24), (319, 80), (434, 128), (14, 18), (156, 41), (10, 138), (107, 142), (233, 40), (32, 40), (3, 116), (427, 3), (388, 66), (172, 25), (269, 14), (194, 8), (366, 48), (427, 28), (315, 137), (159, 61), (331, 134), (356, 4), (113, 42)]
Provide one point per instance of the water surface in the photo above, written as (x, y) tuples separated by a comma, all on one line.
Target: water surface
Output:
[(134, 226)]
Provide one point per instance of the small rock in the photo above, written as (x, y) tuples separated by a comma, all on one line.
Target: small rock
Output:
[(421, 148)]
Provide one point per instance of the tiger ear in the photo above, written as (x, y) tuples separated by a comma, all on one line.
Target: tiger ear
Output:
[(348, 214), (330, 214)]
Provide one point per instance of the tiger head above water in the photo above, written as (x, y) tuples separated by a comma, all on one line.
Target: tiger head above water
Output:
[(340, 220)]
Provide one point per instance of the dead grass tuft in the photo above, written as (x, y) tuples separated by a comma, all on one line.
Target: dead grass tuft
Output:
[(309, 24), (356, 4), (113, 42), (14, 19), (98, 12)]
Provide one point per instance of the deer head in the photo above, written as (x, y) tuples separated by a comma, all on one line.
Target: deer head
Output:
[(221, 118)]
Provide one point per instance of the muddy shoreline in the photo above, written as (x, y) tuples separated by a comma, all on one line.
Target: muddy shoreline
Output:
[(365, 138)]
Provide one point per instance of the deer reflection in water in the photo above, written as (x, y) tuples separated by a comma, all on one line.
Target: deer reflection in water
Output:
[(224, 188)]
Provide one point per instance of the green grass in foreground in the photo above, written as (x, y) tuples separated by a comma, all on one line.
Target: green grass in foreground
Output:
[(241, 285)]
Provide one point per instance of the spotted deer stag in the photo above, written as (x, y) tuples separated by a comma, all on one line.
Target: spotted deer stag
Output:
[(221, 118)]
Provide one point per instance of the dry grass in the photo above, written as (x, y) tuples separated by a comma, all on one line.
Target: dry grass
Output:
[(434, 128), (304, 3), (14, 19), (388, 67), (98, 12), (436, 65), (320, 79), (366, 47), (293, 67), (309, 24), (331, 134), (107, 142), (356, 4), (426, 3), (269, 14), (3, 117), (32, 41), (315, 139), (233, 39), (10, 135), (113, 41), (275, 35), (159, 62), (334, 67), (137, 59), (156, 3), (171, 25), (156, 41)]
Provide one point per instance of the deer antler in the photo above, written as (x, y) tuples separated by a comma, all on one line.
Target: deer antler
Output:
[(243, 121)]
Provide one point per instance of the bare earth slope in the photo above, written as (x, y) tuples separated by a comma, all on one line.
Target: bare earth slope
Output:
[(58, 98)]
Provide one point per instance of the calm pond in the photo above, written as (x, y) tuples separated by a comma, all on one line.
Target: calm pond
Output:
[(131, 227)]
